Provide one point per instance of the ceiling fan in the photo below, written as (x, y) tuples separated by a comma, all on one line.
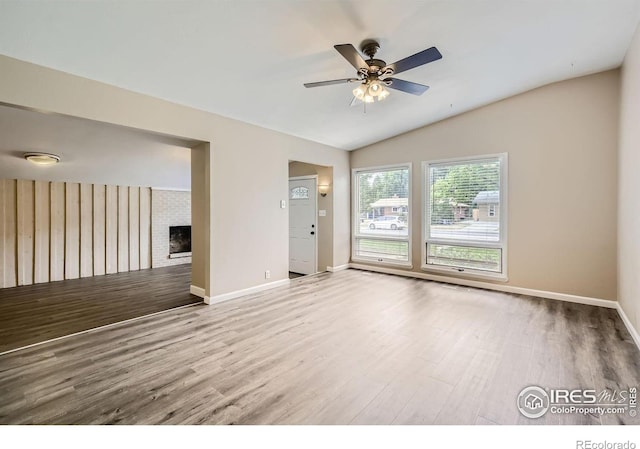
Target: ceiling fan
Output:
[(374, 75)]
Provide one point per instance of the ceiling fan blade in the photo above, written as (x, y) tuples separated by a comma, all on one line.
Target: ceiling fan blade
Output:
[(331, 82), (349, 53), (407, 86), (421, 58)]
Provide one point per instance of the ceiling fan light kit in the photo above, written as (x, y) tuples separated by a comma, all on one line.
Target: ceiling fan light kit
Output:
[(370, 91), (375, 77)]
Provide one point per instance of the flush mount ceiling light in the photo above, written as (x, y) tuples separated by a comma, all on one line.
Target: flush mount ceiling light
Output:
[(42, 158)]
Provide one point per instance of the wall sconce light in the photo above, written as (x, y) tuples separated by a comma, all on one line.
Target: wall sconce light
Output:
[(42, 158), (323, 189)]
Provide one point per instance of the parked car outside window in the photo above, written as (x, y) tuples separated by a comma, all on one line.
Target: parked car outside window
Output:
[(388, 222)]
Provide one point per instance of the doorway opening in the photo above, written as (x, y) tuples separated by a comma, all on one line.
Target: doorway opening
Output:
[(303, 242), (79, 236), (310, 218)]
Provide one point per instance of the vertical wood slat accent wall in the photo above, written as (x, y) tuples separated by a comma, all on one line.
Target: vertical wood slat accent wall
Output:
[(86, 230), (72, 231), (42, 232), (25, 230), (8, 233), (99, 223), (56, 257), (123, 229), (50, 231), (134, 227), (111, 229)]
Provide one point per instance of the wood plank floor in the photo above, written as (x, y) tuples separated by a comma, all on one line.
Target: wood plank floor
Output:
[(350, 347), (40, 312)]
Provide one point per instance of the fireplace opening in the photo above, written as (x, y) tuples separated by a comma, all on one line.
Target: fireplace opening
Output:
[(179, 241)]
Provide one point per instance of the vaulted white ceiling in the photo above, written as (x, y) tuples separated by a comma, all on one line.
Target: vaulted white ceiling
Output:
[(249, 59)]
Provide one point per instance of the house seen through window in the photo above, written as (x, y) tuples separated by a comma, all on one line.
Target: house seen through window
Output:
[(381, 215), (465, 222)]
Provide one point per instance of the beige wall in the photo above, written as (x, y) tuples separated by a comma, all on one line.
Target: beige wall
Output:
[(325, 224), (55, 230), (562, 146), (561, 141), (248, 170), (629, 185), (200, 213)]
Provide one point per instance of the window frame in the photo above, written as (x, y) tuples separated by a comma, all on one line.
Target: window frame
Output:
[(500, 244), (355, 214)]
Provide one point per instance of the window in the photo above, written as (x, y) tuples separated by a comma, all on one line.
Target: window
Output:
[(299, 193), (465, 216), (381, 215)]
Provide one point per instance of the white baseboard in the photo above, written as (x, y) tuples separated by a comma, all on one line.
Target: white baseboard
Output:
[(632, 330), (338, 268), (197, 291), (489, 286), (247, 291)]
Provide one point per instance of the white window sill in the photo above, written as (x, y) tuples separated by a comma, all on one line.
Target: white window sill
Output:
[(398, 238), (467, 273), (384, 262)]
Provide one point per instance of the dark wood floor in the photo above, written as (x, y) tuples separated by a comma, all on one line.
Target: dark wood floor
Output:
[(336, 348), (35, 313)]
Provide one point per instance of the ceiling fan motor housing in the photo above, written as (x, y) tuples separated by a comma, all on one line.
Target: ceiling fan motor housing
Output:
[(376, 65), (370, 48)]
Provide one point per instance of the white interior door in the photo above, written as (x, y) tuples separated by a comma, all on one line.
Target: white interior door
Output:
[(302, 225)]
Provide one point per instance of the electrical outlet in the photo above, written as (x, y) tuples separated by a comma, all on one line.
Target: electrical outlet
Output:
[(267, 274)]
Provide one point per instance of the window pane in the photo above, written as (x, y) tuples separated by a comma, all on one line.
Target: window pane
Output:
[(299, 193), (464, 201), (383, 249), (383, 203), (485, 259)]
